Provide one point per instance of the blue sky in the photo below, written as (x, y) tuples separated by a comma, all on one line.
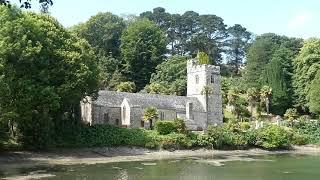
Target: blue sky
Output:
[(294, 18)]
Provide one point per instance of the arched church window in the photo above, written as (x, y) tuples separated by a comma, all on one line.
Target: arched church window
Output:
[(212, 78), (197, 79), (124, 112)]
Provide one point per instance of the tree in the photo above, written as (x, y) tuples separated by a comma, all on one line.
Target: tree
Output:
[(306, 66), (237, 44), (207, 35), (143, 48), (291, 114), (110, 76), (159, 16), (44, 4), (258, 56), (269, 47), (274, 76), (238, 104), (314, 95), (155, 88), (190, 32), (103, 32), (116, 79), (44, 74), (203, 58), (252, 96), (240, 108), (265, 94), (150, 114), (126, 87), (232, 95), (172, 75), (278, 74)]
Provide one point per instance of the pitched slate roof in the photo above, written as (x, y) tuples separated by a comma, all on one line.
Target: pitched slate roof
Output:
[(114, 99)]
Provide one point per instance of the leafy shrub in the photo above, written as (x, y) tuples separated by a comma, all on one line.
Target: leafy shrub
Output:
[(309, 128), (153, 140), (273, 137), (200, 140), (108, 135), (235, 126), (299, 139), (180, 125), (175, 141), (126, 87), (103, 135), (227, 136), (304, 118), (165, 127)]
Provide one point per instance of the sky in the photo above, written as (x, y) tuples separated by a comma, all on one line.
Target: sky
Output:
[(293, 18)]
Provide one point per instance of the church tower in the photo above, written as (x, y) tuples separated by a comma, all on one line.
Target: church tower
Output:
[(204, 83)]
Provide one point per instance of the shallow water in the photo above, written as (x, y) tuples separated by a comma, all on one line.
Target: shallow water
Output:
[(268, 167)]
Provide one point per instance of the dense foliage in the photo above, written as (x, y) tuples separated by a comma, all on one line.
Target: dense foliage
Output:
[(143, 48), (237, 44), (43, 75), (167, 127), (311, 129), (126, 87), (306, 66), (227, 136), (103, 31), (314, 95), (171, 76)]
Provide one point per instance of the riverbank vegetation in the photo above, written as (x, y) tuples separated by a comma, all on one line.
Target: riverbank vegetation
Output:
[(47, 69)]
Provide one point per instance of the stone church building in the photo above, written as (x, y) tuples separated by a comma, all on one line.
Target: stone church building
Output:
[(198, 109)]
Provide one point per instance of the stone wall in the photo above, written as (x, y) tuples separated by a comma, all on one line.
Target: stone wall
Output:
[(136, 114), (106, 115)]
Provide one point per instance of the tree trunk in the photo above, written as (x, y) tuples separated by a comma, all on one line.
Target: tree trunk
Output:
[(251, 111), (151, 127), (267, 105), (207, 109)]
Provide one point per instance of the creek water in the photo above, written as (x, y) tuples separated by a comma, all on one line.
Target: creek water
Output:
[(266, 167)]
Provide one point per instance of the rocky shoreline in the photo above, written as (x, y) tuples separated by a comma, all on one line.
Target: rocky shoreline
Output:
[(124, 154)]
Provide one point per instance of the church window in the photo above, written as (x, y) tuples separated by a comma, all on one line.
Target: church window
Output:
[(162, 115), (212, 79), (142, 123), (124, 112), (197, 79), (106, 117)]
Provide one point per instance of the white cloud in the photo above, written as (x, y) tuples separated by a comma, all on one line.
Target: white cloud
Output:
[(300, 19)]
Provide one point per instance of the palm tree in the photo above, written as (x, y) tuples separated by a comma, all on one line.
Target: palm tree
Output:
[(150, 114), (232, 97), (291, 114), (265, 94), (252, 96)]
